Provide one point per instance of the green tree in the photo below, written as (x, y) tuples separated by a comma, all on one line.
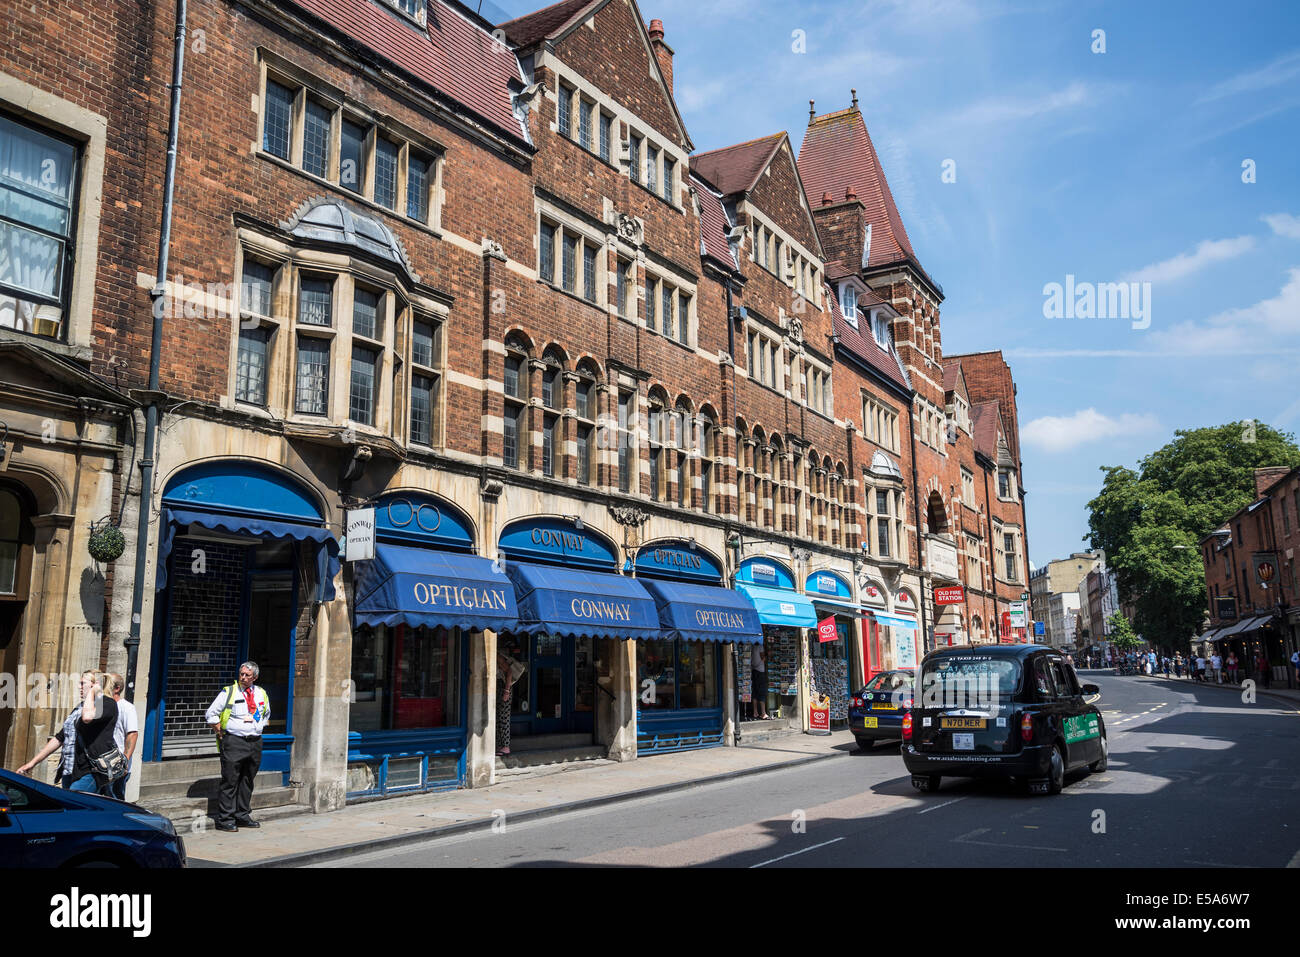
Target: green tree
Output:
[(1122, 635), (1150, 522)]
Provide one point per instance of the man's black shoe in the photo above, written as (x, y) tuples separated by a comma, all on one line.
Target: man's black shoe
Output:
[(227, 827), (249, 823)]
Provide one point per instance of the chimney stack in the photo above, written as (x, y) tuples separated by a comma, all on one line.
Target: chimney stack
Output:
[(1264, 477), (663, 52), (850, 195)]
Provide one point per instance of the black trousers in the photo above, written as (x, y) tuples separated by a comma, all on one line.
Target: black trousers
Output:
[(240, 760)]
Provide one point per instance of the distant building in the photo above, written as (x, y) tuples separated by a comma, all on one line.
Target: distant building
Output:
[(1058, 577)]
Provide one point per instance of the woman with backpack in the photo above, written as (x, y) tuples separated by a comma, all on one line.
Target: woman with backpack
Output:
[(91, 760)]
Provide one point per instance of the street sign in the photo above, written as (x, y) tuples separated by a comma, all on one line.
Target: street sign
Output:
[(1040, 628), (1019, 617)]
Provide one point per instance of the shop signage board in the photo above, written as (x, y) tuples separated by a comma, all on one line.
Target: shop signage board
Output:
[(359, 538), (1265, 565), (819, 715), (949, 595), (826, 630), (1227, 608), (904, 649)]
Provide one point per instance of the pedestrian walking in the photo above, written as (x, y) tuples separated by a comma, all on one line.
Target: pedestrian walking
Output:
[(1295, 664), (90, 760), (1167, 665), (1178, 664), (1262, 669), (1232, 667), (239, 714), (125, 733), (509, 670), (1200, 668), (1216, 668)]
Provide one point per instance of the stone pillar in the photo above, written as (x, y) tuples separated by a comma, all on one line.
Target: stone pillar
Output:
[(727, 662), (481, 744), (616, 715), (321, 707), (42, 638)]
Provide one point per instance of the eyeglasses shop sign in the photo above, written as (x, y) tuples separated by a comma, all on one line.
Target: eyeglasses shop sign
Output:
[(359, 535)]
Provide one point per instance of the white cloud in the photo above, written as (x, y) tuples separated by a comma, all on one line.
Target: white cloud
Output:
[(1184, 264), (998, 111), (1281, 70), (1284, 224), (1268, 327), (1053, 433)]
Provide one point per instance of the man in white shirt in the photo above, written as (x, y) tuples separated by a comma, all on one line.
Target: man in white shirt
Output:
[(125, 733), (238, 715), (1216, 666)]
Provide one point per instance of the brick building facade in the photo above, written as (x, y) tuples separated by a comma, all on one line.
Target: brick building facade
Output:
[(488, 288)]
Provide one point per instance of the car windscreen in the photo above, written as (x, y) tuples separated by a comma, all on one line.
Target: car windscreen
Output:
[(968, 681)]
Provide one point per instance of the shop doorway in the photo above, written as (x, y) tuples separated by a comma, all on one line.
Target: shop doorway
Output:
[(556, 695)]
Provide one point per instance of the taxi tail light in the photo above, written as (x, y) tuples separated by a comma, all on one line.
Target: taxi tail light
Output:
[(1027, 727), (907, 727)]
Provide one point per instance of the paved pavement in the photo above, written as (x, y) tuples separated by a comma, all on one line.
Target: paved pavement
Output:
[(357, 828)]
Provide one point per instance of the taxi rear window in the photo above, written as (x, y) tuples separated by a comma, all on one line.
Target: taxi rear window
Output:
[(968, 681)]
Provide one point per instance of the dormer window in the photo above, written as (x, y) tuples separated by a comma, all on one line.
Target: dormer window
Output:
[(849, 303), (880, 329), (412, 8)]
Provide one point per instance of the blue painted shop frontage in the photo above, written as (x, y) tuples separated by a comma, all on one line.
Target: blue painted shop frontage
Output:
[(572, 602), (680, 698), (244, 555), (831, 662), (414, 607), (783, 614)]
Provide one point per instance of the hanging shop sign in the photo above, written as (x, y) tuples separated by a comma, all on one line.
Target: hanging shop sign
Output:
[(949, 595), (826, 630), (1265, 564), (359, 535)]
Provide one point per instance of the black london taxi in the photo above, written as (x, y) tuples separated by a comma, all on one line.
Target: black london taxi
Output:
[(876, 712), (1009, 711)]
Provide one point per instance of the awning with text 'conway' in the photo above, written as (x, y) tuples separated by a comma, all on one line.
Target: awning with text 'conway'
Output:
[(423, 586), (580, 604), (703, 612), (779, 606)]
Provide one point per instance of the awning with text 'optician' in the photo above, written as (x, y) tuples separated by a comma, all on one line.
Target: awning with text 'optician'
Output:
[(703, 612), (423, 586)]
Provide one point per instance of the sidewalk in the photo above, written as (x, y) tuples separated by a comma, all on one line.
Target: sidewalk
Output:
[(1286, 694), (362, 828)]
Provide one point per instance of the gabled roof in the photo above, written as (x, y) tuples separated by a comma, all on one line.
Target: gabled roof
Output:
[(555, 22), (863, 346), (546, 23), (837, 155), (714, 226), (736, 169), (452, 54), (951, 376)]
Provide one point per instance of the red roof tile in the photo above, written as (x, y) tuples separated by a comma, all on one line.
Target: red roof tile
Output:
[(986, 422), (534, 27), (714, 225), (865, 347), (837, 154), (735, 169), (456, 57)]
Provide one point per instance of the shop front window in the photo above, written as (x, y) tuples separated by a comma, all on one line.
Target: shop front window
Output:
[(674, 674), (655, 675), (10, 516), (405, 678), (697, 678)]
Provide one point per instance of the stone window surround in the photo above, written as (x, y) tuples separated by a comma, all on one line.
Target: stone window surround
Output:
[(401, 307), (767, 331), (41, 109), (631, 123), (285, 72), (755, 217)]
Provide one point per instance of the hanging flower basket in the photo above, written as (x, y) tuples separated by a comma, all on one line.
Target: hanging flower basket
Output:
[(107, 543)]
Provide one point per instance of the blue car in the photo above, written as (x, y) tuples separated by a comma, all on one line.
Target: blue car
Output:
[(46, 826), (877, 711)]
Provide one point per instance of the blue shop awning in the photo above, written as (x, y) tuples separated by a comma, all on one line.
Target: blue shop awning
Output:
[(703, 612), (423, 586), (894, 621), (779, 606), (326, 545), (579, 604)]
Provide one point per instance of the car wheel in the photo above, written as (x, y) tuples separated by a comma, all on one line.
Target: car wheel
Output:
[(1100, 764), (1056, 772), (926, 782), (857, 746)]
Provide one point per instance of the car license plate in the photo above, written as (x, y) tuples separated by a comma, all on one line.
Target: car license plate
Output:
[(868, 722), (952, 724), (883, 706), (963, 742)]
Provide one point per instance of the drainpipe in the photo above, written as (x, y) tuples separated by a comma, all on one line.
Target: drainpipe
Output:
[(916, 517), (157, 297)]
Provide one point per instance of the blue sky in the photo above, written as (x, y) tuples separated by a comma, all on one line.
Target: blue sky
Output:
[(1122, 166)]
